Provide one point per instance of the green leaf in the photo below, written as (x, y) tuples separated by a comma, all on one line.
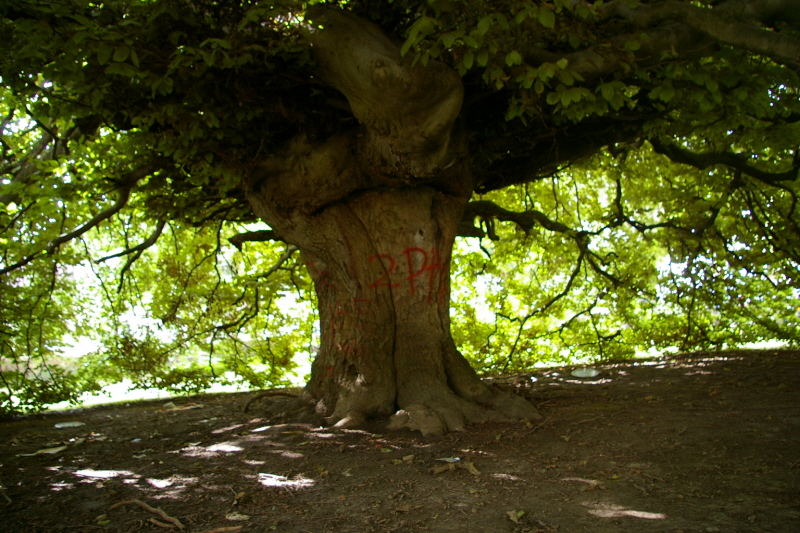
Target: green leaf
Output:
[(104, 54), (484, 24), (632, 45), (121, 69), (134, 57), (566, 77), (547, 71), (121, 53), (547, 18), (513, 58), (468, 59), (449, 38), (665, 92), (406, 47)]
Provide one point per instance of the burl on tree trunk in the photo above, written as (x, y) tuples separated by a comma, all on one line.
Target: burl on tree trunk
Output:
[(375, 212)]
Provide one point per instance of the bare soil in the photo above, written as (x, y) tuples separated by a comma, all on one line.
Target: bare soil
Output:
[(702, 442)]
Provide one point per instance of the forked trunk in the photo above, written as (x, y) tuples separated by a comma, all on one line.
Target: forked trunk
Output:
[(374, 211)]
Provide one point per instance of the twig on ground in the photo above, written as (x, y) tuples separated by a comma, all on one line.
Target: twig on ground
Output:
[(159, 523), (177, 523)]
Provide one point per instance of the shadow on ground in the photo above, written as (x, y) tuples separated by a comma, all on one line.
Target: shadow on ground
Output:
[(696, 443)]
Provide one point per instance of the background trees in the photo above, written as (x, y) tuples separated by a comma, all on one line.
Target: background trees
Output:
[(639, 159)]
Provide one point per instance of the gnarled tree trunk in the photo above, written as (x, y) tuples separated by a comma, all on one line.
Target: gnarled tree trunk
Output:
[(375, 212)]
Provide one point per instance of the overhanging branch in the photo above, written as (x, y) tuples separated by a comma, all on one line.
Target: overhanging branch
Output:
[(740, 163), (142, 246), (526, 220), (552, 153), (126, 184), (730, 23)]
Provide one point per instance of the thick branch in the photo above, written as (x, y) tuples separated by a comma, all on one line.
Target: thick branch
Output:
[(549, 154), (729, 23), (408, 110), (126, 186), (735, 161), (253, 236), (605, 59), (526, 220)]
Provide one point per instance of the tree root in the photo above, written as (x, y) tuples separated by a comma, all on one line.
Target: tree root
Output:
[(267, 394), (285, 406), (454, 413)]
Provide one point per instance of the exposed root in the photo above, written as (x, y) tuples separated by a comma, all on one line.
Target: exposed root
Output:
[(352, 419), (514, 406), (421, 418), (455, 413), (267, 394), (289, 408)]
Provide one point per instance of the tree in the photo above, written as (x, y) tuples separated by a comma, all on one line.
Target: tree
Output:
[(368, 136)]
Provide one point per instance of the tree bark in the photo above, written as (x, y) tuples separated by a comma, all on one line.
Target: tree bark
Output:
[(380, 265)]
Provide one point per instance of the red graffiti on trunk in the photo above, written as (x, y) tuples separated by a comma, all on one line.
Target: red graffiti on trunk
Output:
[(423, 273), (420, 265), (419, 270)]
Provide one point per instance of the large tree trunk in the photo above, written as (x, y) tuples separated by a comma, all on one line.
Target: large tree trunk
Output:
[(375, 212), (380, 263)]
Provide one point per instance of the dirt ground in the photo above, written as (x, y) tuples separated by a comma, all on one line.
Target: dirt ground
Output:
[(702, 442)]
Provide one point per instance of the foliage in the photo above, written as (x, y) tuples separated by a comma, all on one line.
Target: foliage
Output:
[(640, 285), (126, 127)]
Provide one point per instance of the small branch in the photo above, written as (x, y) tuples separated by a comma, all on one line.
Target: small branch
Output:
[(253, 236), (144, 245), (278, 264), (552, 301)]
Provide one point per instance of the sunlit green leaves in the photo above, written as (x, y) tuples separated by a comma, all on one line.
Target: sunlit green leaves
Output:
[(682, 271)]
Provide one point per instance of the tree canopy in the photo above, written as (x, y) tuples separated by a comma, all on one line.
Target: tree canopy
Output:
[(633, 166)]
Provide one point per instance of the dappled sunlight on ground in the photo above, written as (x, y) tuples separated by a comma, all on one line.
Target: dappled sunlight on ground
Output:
[(274, 480), (624, 450), (607, 510)]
